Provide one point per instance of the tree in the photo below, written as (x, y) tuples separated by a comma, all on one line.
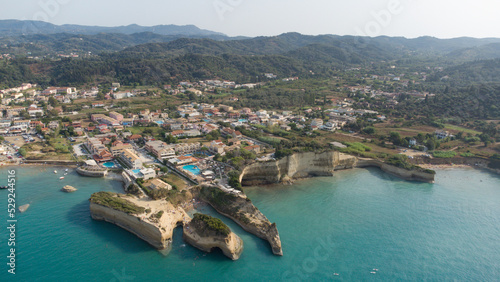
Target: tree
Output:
[(213, 135), (369, 130), (485, 138), (170, 139), (52, 101), (395, 138)]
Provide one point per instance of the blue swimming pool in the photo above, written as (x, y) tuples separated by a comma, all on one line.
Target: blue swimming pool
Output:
[(193, 169), (159, 122), (243, 120), (136, 171), (109, 164)]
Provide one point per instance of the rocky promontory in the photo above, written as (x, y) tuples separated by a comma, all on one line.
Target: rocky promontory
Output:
[(152, 221), (241, 210), (206, 233), (68, 189), (298, 165), (305, 164)]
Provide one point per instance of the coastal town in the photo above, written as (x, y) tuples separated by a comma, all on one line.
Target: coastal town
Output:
[(193, 144), (239, 141), (189, 141)]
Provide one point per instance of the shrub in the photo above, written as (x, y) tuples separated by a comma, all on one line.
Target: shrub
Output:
[(444, 154), (210, 223), (112, 200)]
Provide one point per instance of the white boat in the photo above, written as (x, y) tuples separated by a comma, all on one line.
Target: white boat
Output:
[(62, 177), (373, 272), (55, 171), (66, 173), (336, 274), (66, 170)]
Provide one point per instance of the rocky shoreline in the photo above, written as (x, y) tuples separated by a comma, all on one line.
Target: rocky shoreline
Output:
[(154, 222), (241, 210), (307, 164)]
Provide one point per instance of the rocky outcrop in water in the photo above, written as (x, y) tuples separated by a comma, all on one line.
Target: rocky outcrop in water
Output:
[(68, 189), (23, 208), (241, 210), (207, 233)]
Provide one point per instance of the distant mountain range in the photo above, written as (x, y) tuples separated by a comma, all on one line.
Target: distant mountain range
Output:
[(17, 27), (148, 55)]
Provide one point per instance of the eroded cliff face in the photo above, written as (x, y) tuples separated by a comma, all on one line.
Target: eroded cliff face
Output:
[(411, 175), (242, 211), (150, 226), (132, 223), (298, 165), (302, 165), (231, 245)]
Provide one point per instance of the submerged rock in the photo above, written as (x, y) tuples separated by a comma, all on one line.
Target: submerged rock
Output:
[(23, 208), (68, 189)]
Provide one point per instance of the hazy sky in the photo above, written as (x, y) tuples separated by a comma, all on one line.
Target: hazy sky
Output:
[(409, 18)]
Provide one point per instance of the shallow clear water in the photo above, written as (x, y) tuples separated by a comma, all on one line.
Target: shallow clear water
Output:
[(348, 224)]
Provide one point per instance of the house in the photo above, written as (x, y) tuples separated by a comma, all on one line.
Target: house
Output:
[(35, 123), (118, 149), (148, 173), (130, 159), (157, 184), (186, 148), (103, 156), (246, 111), (182, 160), (53, 124), (116, 116), (160, 149), (134, 137), (254, 148), (226, 108), (97, 105), (22, 124), (192, 133), (441, 134), (216, 147), (176, 133), (33, 111), (285, 127), (413, 142)]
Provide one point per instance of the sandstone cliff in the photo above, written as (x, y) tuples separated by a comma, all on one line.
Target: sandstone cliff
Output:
[(154, 223), (200, 235), (241, 210), (414, 175), (298, 165)]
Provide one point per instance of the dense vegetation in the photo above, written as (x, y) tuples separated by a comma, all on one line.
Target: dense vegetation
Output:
[(205, 223), (113, 200)]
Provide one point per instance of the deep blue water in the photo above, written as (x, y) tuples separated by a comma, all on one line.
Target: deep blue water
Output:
[(349, 224)]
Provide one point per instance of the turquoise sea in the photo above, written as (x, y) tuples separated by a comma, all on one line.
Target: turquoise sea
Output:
[(349, 224)]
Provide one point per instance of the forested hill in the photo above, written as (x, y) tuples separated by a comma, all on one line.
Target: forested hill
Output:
[(477, 72), (43, 45), (18, 27), (243, 60)]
